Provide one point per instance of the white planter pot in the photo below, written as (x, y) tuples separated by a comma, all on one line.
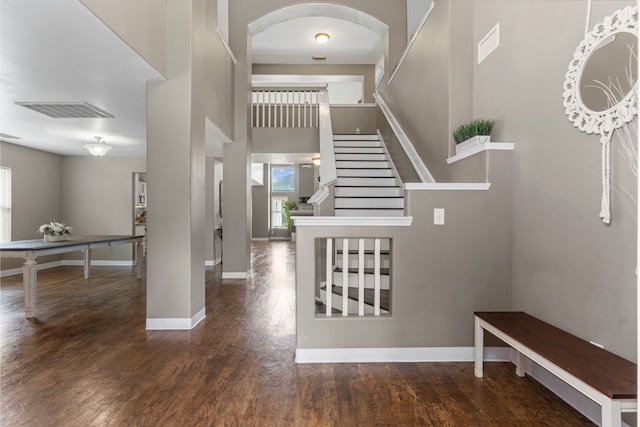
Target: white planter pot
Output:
[(473, 142), (48, 238)]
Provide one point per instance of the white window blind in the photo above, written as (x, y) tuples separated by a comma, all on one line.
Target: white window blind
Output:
[(5, 204)]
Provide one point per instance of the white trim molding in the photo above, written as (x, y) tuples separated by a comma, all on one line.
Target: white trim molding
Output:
[(410, 44), (226, 46), (399, 354), (352, 221), (497, 146), (212, 262), (417, 163), (235, 274), (171, 324), (447, 186)]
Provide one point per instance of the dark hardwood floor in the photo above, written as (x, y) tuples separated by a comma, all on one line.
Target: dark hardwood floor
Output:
[(86, 360)]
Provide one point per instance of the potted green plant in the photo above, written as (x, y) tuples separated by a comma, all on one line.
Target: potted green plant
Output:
[(475, 132)]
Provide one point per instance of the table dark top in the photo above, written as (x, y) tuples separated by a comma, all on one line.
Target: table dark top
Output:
[(35, 244), (608, 373)]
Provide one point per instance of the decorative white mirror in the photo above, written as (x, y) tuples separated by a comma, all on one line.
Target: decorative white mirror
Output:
[(600, 88)]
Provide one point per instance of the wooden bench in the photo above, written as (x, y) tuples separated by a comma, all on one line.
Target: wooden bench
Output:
[(605, 378)]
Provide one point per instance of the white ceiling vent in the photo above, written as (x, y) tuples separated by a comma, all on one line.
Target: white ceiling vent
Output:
[(67, 110)]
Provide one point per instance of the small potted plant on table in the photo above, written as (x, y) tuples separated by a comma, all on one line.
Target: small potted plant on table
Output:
[(55, 231)]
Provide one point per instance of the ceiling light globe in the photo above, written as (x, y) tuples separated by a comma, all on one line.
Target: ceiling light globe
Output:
[(322, 38)]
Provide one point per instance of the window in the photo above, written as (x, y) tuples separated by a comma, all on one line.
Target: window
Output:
[(5, 204), (283, 179), (277, 214)]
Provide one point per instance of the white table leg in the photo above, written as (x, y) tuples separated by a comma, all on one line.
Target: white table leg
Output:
[(520, 363), (479, 335), (87, 262), (611, 413), (139, 248), (29, 277)]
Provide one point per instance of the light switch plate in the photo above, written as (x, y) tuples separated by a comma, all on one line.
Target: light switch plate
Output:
[(438, 216)]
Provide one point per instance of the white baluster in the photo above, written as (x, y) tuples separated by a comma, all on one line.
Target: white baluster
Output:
[(345, 277), (281, 107), (329, 278), (269, 109), (376, 277), (361, 277)]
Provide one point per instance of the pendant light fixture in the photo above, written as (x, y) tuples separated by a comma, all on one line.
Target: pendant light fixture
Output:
[(97, 148)]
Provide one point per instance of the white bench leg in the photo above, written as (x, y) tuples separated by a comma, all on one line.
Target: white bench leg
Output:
[(520, 361), (611, 413), (479, 346)]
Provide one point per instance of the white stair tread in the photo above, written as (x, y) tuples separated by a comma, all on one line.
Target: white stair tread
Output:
[(369, 191), (369, 202), (365, 172), (355, 137), (357, 143), (354, 164), (364, 157), (359, 150), (367, 182)]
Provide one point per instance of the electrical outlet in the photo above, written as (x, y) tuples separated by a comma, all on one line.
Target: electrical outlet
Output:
[(438, 216)]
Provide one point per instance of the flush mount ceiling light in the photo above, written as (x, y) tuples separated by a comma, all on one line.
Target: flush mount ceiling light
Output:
[(97, 148), (322, 38), (316, 160)]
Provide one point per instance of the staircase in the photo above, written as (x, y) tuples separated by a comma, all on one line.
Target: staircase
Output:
[(347, 274), (367, 184)]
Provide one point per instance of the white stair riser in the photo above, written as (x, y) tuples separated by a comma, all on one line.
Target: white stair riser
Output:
[(362, 164), (369, 212), (361, 157), (369, 202), (359, 150), (366, 182), (369, 191), (365, 172), (357, 143), (352, 305), (356, 138)]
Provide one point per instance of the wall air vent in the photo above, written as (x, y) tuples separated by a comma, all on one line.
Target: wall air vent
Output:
[(67, 110)]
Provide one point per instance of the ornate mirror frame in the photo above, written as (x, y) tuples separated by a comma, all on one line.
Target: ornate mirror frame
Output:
[(601, 122)]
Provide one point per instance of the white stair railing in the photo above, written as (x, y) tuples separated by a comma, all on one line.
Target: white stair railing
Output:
[(282, 107), (337, 295)]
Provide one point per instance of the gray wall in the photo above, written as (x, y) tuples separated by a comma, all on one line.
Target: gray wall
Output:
[(260, 207), (345, 120), (286, 140), (148, 36), (568, 267), (460, 267), (98, 199), (37, 191)]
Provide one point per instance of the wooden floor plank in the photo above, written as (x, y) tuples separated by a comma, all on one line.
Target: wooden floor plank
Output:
[(86, 360)]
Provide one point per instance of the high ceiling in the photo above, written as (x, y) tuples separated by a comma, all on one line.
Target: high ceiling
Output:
[(293, 42), (59, 52)]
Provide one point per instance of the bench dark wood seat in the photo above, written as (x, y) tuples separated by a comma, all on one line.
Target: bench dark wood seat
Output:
[(604, 377)]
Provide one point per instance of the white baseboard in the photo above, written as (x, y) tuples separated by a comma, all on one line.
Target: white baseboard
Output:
[(235, 274), (260, 238), (169, 324), (398, 354), (212, 262), (100, 263), (17, 271)]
